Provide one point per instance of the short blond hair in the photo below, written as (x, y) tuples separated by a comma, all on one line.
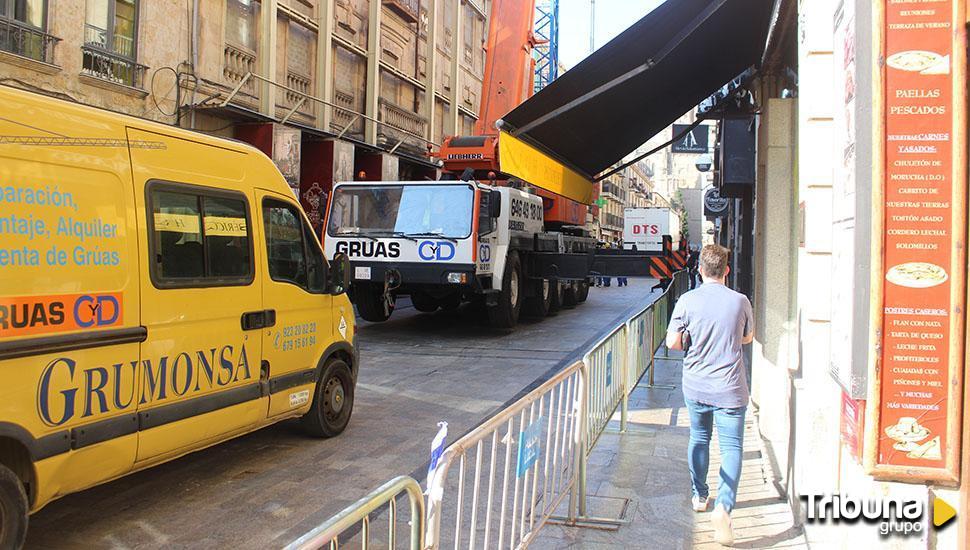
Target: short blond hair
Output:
[(713, 261)]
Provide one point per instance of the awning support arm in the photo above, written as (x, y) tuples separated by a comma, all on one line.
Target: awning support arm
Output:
[(646, 66), (650, 152)]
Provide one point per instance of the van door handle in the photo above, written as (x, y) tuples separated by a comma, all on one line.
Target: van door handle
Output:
[(252, 320)]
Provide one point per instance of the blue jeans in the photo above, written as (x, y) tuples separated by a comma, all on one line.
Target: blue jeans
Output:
[(730, 436)]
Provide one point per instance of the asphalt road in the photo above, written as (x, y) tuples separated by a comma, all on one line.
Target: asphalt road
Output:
[(264, 489)]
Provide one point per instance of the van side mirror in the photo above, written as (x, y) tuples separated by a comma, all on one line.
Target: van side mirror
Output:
[(339, 274), (494, 203)]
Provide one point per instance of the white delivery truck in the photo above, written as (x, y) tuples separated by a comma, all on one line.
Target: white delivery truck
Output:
[(645, 228), (449, 241)]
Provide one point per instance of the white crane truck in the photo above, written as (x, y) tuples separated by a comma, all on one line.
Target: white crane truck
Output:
[(449, 241)]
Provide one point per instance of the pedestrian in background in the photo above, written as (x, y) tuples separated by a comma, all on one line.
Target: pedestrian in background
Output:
[(692, 256), (711, 324), (624, 281), (605, 281)]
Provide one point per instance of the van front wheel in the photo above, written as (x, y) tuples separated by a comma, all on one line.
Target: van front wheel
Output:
[(333, 401), (13, 510)]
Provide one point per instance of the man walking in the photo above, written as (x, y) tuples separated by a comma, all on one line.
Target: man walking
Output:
[(711, 324), (692, 257)]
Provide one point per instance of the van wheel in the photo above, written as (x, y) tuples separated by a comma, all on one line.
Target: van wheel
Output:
[(370, 304), (423, 302), (13, 510), (555, 297), (569, 298), (333, 401), (506, 313), (538, 305), (582, 292)]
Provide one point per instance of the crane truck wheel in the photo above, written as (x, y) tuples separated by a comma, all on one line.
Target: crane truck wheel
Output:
[(538, 305), (370, 303), (556, 297), (582, 291), (506, 313), (424, 302), (451, 302), (569, 294)]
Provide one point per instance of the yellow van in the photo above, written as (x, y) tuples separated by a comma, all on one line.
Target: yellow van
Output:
[(160, 291)]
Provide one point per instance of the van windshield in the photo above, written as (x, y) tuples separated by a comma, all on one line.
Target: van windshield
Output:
[(402, 210)]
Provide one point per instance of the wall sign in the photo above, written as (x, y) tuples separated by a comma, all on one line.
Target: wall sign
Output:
[(916, 434), (694, 141), (715, 206)]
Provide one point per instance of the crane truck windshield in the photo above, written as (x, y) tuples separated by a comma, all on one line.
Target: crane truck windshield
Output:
[(408, 211)]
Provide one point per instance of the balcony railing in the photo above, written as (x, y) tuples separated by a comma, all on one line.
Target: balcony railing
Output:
[(121, 45), (403, 119), (612, 220), (237, 63), (344, 116), (26, 41), (112, 67), (300, 86), (408, 9)]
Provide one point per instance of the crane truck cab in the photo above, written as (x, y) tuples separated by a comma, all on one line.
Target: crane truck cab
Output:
[(446, 242)]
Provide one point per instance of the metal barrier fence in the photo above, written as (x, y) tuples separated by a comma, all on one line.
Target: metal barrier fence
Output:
[(359, 513), (515, 470), (501, 482)]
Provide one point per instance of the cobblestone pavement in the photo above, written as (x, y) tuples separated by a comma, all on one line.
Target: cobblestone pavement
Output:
[(264, 489), (648, 466)]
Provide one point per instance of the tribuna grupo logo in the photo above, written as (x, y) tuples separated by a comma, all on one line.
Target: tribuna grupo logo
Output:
[(892, 516)]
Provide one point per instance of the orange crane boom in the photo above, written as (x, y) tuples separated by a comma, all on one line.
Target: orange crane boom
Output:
[(508, 81), (509, 64)]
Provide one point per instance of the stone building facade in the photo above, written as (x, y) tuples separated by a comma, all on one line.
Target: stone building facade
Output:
[(330, 89)]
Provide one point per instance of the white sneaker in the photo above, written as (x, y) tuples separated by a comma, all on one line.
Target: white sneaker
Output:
[(699, 503), (721, 520)]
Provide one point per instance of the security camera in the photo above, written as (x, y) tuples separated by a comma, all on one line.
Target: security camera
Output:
[(703, 163)]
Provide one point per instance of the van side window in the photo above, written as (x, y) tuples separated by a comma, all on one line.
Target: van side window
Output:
[(199, 239), (292, 251)]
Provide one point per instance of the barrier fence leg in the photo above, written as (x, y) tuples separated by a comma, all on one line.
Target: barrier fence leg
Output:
[(624, 407), (653, 367), (581, 458), (625, 377)]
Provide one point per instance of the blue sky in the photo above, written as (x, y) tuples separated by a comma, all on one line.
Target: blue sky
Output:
[(612, 18)]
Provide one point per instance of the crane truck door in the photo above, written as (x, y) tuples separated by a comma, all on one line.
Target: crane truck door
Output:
[(488, 209)]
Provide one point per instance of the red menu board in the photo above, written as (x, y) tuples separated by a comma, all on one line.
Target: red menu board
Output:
[(924, 225)]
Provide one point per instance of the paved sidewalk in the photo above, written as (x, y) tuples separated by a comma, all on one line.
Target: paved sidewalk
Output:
[(648, 465)]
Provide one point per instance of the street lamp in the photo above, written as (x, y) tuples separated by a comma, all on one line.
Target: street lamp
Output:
[(703, 162)]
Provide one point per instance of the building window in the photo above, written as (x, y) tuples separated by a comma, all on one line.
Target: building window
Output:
[(242, 18), (22, 29), (110, 41)]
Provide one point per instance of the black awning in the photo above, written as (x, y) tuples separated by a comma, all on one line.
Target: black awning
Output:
[(648, 76)]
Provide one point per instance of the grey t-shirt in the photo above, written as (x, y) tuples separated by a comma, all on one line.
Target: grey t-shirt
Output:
[(716, 318)]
